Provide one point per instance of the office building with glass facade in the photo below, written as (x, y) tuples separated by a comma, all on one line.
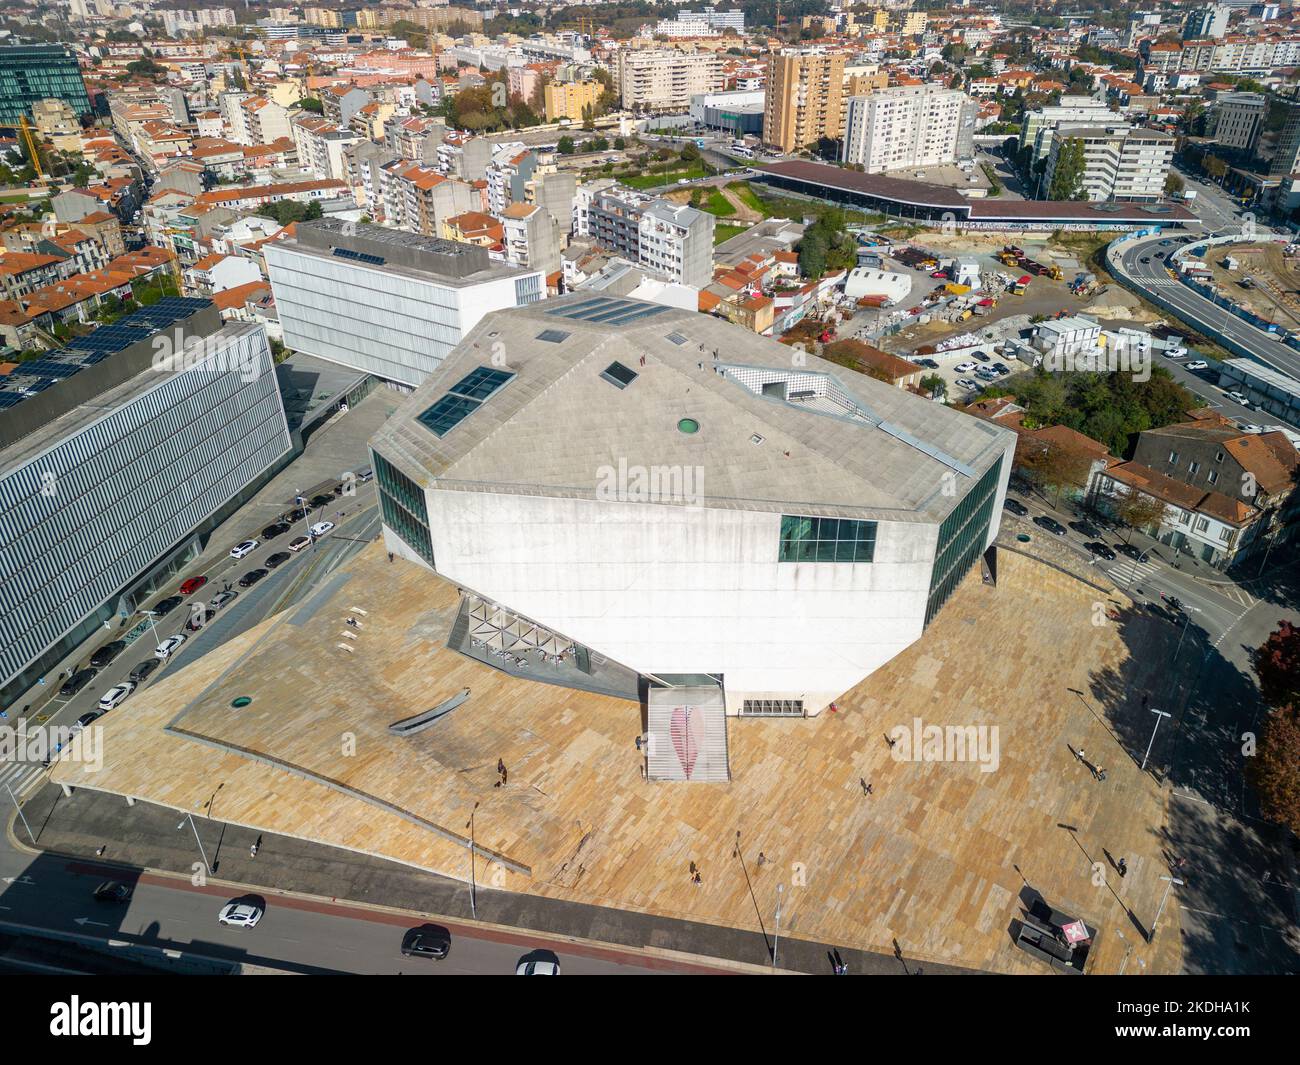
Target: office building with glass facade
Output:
[(384, 301), (700, 505), (106, 498), (30, 73)]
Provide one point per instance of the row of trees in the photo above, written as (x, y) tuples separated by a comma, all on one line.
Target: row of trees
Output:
[(1275, 770)]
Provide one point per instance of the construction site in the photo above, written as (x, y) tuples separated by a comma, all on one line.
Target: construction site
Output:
[(1263, 277)]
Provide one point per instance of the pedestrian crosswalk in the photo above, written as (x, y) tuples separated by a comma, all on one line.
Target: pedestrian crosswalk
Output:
[(19, 777), (1131, 571), (1157, 282)]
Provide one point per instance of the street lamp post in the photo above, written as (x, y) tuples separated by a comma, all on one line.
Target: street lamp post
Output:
[(151, 615), (1159, 714), (206, 864), (1170, 881), (776, 939), (21, 814), (473, 900)]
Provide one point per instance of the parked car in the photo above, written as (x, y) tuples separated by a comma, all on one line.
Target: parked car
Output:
[(77, 681), (142, 670), (107, 653), (240, 914), (278, 559), (1132, 550), (246, 548), (299, 542), (365, 476), (116, 695), (113, 891), (929, 364), (427, 941), (1237, 397), (279, 528), (1015, 506), (1050, 524), (170, 645), (1175, 353), (1085, 528), (1001, 367), (322, 500), (538, 963), (166, 606), (981, 356), (222, 598), (1101, 550), (193, 585), (1197, 364), (85, 720), (321, 528), (967, 383), (251, 578), (964, 367)]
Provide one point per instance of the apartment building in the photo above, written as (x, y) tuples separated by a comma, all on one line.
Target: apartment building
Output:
[(907, 126), (673, 241), (418, 198), (805, 98), (570, 99), (322, 145), (1209, 21), (1037, 127), (661, 81), (531, 237), (1237, 120), (1120, 163)]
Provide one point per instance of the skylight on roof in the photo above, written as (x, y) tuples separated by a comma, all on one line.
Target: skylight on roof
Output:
[(618, 375), (553, 336), (463, 399), (607, 310)]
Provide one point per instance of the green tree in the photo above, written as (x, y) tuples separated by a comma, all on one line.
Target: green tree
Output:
[(1067, 175), (565, 145), (812, 255), (1275, 769), (1174, 184), (934, 385), (310, 103)]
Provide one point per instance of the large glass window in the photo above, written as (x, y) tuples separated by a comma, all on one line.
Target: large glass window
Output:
[(826, 539), (961, 539), (462, 399), (401, 501)]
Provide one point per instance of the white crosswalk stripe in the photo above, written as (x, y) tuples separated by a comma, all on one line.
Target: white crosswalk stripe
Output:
[(1130, 571), (18, 777)]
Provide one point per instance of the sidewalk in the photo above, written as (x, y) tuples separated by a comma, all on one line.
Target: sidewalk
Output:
[(145, 837)]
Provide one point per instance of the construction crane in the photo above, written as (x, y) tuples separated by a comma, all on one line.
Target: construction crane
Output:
[(30, 141)]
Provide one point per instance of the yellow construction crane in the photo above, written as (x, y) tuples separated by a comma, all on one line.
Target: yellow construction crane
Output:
[(30, 141)]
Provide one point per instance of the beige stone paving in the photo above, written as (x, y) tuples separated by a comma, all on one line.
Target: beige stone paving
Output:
[(929, 859)]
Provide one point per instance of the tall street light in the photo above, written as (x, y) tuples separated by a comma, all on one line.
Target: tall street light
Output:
[(1159, 714), (1170, 881), (473, 901), (776, 940)]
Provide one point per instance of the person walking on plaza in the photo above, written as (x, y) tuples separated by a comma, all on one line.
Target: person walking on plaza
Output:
[(1122, 866)]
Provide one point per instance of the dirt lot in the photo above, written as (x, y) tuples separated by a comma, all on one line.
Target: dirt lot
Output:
[(1276, 295)]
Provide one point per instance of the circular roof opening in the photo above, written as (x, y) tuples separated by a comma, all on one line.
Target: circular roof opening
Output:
[(241, 702), (688, 425)]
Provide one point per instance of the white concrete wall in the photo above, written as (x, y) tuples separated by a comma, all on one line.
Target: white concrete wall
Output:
[(672, 589)]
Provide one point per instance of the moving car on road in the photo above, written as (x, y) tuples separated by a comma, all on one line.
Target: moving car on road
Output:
[(1050, 524), (113, 891), (1197, 364), (239, 914), (1101, 550), (1015, 506), (427, 941)]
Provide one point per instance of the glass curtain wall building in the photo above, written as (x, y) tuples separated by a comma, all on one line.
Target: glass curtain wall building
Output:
[(30, 73), (102, 498)]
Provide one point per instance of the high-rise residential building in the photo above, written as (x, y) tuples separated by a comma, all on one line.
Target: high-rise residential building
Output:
[(571, 99), (1038, 124), (112, 475), (779, 583), (385, 301), (30, 73), (1237, 119), (673, 241), (1209, 21), (653, 80), (805, 98), (532, 237), (906, 126), (1120, 163)]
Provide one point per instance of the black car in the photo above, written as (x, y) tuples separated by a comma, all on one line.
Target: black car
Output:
[(1101, 550), (85, 719), (142, 671), (107, 653), (77, 681), (166, 606), (982, 356), (929, 364), (427, 941), (1146, 259), (251, 578), (1050, 524), (278, 559), (272, 531), (322, 500), (1130, 550), (1015, 507), (1084, 528), (113, 891)]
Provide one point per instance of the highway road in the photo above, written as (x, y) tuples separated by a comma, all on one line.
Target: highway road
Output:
[(1196, 310)]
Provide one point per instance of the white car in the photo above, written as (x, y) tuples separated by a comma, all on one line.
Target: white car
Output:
[(298, 543), (966, 382), (538, 968), (246, 548), (1237, 397), (170, 645), (240, 914), (964, 367), (321, 528), (1197, 364), (116, 695)]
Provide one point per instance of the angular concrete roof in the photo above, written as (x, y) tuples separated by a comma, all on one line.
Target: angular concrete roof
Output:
[(557, 421)]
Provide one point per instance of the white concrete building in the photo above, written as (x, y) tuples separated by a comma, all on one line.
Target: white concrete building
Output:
[(1120, 163), (1072, 335), (1038, 125), (864, 281), (385, 301), (766, 533), (903, 127), (666, 80)]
